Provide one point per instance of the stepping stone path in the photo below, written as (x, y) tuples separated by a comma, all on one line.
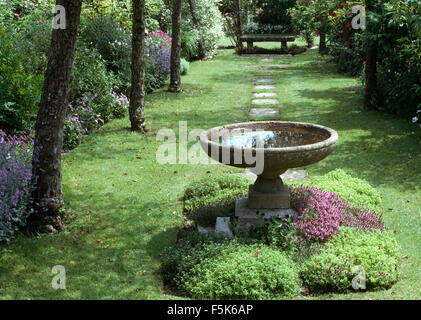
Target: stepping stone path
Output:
[(264, 101), (265, 94), (264, 81), (264, 112)]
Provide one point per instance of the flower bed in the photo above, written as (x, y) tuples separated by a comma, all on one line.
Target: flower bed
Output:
[(15, 182)]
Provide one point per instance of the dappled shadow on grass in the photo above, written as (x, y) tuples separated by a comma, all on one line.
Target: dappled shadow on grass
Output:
[(105, 248), (377, 146)]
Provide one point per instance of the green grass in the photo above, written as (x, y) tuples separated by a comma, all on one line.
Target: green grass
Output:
[(123, 208)]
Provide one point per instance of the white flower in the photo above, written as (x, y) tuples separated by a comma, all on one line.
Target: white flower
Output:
[(414, 119)]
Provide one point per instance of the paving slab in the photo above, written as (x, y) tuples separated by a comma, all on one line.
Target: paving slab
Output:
[(264, 112), (223, 227), (264, 87), (264, 101), (265, 94), (266, 60), (278, 65), (265, 80), (264, 74)]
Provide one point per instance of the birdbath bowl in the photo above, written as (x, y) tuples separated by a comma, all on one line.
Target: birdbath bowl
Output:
[(269, 148)]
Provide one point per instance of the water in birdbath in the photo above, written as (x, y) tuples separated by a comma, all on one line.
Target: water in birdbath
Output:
[(269, 139)]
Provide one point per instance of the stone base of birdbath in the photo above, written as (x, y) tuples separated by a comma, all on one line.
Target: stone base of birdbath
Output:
[(252, 218), (279, 199)]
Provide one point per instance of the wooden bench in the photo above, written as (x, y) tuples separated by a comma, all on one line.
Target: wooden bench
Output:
[(283, 39)]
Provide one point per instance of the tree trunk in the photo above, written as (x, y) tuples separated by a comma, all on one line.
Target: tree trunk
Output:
[(371, 96), (137, 91), (239, 25), (47, 195), (202, 48), (342, 61), (175, 77), (322, 44), (309, 40)]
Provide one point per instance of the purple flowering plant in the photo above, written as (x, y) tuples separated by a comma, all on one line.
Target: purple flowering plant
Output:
[(322, 213), (15, 182), (157, 56)]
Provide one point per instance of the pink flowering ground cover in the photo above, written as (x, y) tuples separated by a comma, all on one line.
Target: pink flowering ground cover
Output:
[(322, 213)]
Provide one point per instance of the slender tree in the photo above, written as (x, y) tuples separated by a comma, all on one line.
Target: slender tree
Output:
[(322, 43), (175, 77), (239, 24), (202, 47), (137, 92), (371, 97), (47, 195)]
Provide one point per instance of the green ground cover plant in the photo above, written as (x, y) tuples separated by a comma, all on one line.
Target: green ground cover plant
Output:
[(229, 270)]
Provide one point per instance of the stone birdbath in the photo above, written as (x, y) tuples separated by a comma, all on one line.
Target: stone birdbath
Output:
[(275, 147)]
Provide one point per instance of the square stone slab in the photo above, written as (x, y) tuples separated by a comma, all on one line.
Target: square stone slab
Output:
[(264, 101), (264, 87), (266, 60), (268, 80), (264, 112), (248, 218), (263, 74), (279, 65), (265, 94)]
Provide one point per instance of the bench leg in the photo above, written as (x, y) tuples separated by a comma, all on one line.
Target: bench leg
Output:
[(284, 47), (249, 46)]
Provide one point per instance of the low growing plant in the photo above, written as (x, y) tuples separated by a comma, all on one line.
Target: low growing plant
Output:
[(322, 213), (373, 255), (225, 269), (213, 196), (350, 189)]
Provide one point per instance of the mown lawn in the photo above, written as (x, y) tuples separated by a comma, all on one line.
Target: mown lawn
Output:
[(123, 207)]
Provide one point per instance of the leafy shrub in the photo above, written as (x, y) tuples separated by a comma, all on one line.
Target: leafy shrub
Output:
[(83, 117), (218, 269), (112, 42), (211, 25), (20, 91), (335, 266), (213, 196), (350, 189), (34, 39), (273, 12), (184, 66), (72, 132), (393, 26), (88, 62), (189, 44), (15, 182), (104, 34), (280, 234), (321, 213)]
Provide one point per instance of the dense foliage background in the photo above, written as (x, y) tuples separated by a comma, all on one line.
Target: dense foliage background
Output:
[(394, 27)]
